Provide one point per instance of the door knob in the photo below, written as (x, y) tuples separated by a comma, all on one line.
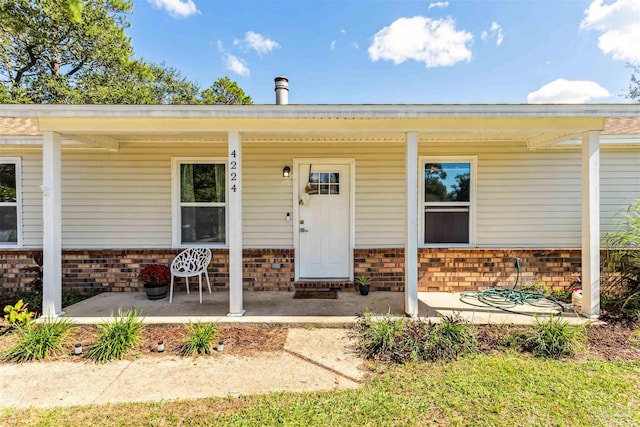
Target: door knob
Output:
[(304, 230)]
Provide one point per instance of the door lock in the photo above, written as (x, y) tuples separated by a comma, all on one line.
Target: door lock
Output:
[(304, 230)]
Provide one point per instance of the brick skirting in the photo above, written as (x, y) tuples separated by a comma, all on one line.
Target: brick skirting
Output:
[(273, 269)]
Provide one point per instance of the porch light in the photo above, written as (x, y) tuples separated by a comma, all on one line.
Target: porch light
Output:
[(77, 349), (286, 172)]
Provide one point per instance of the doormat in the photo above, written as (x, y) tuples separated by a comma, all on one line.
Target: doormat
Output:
[(315, 294)]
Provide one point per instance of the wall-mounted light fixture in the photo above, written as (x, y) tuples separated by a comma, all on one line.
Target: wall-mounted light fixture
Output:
[(286, 172)]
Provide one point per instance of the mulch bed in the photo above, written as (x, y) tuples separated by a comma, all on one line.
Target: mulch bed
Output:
[(238, 340)]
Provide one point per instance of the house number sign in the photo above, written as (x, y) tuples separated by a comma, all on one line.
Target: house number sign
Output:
[(234, 170)]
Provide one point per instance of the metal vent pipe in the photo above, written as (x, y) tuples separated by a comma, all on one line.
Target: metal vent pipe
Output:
[(282, 90)]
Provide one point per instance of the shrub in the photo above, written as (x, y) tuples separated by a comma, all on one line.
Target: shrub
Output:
[(115, 339), (377, 336), (401, 340), (201, 339), (18, 315), (623, 262), (451, 338), (555, 338), (39, 340)]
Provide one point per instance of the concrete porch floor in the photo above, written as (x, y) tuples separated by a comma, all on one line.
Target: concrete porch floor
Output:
[(280, 308)]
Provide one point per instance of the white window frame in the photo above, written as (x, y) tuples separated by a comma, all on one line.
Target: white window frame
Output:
[(176, 204), (473, 161), (18, 203)]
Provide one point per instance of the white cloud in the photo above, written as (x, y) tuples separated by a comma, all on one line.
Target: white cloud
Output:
[(355, 45), (436, 42), (495, 33), (439, 4), (333, 44), (236, 65), (561, 91), (343, 31), (176, 8), (619, 23), (257, 42)]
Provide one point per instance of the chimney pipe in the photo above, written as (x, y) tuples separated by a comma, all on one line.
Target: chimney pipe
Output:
[(282, 90)]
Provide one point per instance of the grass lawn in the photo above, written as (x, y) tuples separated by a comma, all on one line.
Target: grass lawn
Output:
[(506, 390)]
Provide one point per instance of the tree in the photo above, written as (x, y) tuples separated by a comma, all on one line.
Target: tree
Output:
[(224, 91), (46, 46), (77, 52), (634, 86)]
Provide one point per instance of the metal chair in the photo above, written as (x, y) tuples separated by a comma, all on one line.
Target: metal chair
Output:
[(190, 263)]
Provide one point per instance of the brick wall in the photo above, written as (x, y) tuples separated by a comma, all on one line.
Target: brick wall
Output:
[(273, 269)]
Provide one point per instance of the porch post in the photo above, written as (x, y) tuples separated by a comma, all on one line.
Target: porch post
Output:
[(52, 225), (411, 231), (235, 225), (591, 224)]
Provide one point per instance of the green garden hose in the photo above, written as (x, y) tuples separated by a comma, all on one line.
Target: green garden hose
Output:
[(510, 299)]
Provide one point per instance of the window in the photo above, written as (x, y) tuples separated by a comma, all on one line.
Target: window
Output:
[(199, 197), (324, 183), (448, 192), (10, 202)]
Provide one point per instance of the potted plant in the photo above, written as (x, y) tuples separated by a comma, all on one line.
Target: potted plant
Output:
[(155, 278), (364, 283)]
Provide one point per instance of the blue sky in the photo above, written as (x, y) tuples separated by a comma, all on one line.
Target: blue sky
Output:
[(374, 51)]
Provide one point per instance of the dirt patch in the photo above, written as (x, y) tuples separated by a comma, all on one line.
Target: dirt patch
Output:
[(610, 342), (238, 340), (607, 342)]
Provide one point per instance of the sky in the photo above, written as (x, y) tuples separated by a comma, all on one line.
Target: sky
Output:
[(399, 51)]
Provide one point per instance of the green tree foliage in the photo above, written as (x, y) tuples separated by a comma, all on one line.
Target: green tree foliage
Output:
[(224, 91), (634, 85), (77, 52)]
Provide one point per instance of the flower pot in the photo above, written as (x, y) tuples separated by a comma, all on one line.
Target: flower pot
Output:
[(157, 292), (364, 289)]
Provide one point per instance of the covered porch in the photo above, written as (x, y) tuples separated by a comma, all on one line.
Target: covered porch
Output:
[(280, 308), (108, 128)]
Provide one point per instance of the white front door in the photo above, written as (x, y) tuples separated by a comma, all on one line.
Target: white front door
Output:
[(324, 221)]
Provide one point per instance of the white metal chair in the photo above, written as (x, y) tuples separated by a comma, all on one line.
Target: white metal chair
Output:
[(190, 263)]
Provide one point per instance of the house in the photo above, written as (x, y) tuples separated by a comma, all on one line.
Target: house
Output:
[(417, 197)]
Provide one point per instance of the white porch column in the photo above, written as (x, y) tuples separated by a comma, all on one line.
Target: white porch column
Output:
[(411, 230), (591, 224), (52, 225), (235, 225)]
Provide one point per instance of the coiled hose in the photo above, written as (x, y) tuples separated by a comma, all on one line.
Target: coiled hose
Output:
[(510, 299)]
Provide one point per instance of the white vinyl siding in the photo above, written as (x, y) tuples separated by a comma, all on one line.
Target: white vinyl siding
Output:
[(524, 198), (380, 199)]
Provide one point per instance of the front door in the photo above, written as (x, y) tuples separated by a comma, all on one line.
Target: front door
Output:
[(324, 221)]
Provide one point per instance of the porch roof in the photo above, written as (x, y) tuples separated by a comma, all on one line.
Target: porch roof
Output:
[(540, 126)]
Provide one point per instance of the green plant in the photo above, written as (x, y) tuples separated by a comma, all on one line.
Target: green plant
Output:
[(39, 340), (451, 338), (555, 338), (623, 261), (363, 281), (200, 340), (115, 339), (18, 314), (377, 336)]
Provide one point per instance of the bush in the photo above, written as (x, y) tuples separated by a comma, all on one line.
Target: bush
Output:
[(201, 339), (555, 338), (18, 315), (115, 339), (451, 338), (401, 340), (38, 341), (623, 264), (377, 336)]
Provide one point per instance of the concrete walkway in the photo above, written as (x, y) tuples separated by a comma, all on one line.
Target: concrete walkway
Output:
[(314, 359)]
